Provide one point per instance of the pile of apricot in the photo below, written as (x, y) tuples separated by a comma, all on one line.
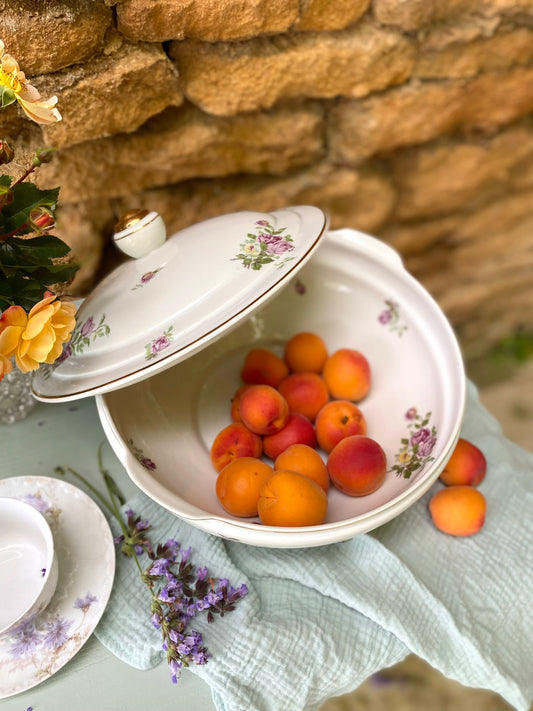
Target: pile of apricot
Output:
[(288, 409)]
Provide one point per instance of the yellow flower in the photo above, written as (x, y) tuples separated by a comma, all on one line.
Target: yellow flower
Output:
[(14, 86), (36, 337), (251, 249), (404, 457), (5, 366)]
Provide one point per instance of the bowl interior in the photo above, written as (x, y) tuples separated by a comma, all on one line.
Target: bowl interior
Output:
[(352, 298), (26, 556)]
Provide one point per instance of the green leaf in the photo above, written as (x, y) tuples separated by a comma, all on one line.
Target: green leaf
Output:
[(5, 181), (41, 249), (26, 197)]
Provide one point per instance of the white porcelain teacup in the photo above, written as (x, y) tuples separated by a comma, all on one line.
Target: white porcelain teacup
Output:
[(28, 563)]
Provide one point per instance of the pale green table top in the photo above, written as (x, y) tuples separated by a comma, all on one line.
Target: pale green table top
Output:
[(93, 678)]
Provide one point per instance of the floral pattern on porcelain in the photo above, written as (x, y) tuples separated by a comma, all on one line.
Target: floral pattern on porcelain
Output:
[(146, 277), (139, 455), (268, 245), (83, 336), (41, 641), (50, 512), (154, 348), (390, 317), (416, 448)]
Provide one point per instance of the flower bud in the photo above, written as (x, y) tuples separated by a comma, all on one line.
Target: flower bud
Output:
[(43, 155), (7, 153), (41, 218)]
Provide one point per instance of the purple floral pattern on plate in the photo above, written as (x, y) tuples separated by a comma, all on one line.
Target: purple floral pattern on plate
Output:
[(416, 448), (146, 277), (139, 455), (154, 348), (266, 246), (85, 333), (390, 317)]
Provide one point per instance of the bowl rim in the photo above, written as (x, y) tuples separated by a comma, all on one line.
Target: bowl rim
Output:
[(44, 528)]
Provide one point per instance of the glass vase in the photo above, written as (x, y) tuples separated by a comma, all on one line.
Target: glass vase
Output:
[(16, 399)]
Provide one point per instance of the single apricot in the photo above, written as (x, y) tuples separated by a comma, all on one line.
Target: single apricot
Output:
[(232, 442), (289, 499), (239, 483), (298, 430), (467, 465), (357, 465), (458, 510), (306, 461), (263, 367), (235, 411), (347, 375), (306, 393), (335, 421), (263, 409), (305, 353)]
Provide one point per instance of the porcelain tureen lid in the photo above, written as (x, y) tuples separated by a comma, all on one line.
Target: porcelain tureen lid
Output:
[(160, 308)]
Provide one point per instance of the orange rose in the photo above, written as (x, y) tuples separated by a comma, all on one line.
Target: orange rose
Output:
[(36, 337)]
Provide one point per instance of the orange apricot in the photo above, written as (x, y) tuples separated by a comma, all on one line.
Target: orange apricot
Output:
[(306, 461), (305, 393), (263, 367), (305, 353), (458, 510), (239, 483), (336, 420), (263, 409), (467, 465), (289, 499), (235, 411), (347, 375), (357, 465), (298, 430), (232, 442)]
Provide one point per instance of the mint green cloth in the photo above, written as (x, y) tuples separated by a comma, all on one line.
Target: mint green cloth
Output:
[(317, 622)]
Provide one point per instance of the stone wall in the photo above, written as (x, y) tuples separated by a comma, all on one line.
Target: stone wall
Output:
[(410, 120)]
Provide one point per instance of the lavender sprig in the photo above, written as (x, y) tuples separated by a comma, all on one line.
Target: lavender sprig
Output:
[(179, 590)]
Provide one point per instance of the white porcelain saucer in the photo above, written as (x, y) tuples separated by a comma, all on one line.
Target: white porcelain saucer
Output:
[(86, 559)]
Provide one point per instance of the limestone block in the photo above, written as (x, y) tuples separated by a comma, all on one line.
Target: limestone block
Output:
[(327, 15), (228, 78), (115, 93), (46, 36), (459, 31), (446, 176), (209, 20), (84, 227), (361, 199), (466, 60), (412, 14), (420, 112), (185, 143), (478, 265)]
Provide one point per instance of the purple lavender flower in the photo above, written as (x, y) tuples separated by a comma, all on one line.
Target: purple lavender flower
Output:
[(160, 344), (26, 641), (385, 316), (420, 436), (164, 596), (37, 503), (213, 597), (84, 603), (201, 573), (426, 447), (411, 413), (175, 670), (185, 553), (56, 633), (88, 327), (159, 567), (147, 276)]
